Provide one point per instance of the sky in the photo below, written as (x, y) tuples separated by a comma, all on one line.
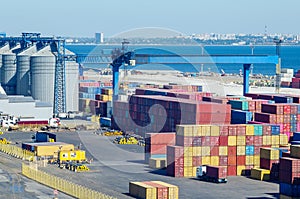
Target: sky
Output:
[(83, 18)]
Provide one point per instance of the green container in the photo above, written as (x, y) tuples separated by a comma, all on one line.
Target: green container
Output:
[(258, 130)]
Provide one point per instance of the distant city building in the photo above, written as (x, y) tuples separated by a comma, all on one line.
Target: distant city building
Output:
[(99, 37)]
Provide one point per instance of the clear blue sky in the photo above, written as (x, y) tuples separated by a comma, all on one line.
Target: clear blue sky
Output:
[(84, 18)]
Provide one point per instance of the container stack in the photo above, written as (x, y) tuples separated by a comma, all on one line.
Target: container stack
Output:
[(296, 80), (234, 146), (289, 174), (286, 77), (153, 190), (156, 145), (171, 110)]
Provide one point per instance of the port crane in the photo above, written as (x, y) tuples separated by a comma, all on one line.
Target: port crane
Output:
[(132, 58)]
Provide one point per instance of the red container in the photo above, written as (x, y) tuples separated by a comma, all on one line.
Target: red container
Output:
[(251, 105), (218, 172), (286, 109), (279, 119), (223, 141), (267, 164), (290, 164), (175, 171), (214, 140), (286, 118), (206, 141), (257, 150), (224, 130), (232, 160), (184, 140), (258, 141), (267, 129), (156, 148), (294, 109), (232, 130), (197, 161), (289, 177), (249, 140), (214, 151), (161, 138), (231, 150), (241, 130), (162, 192), (272, 108), (231, 170), (223, 160), (241, 160)]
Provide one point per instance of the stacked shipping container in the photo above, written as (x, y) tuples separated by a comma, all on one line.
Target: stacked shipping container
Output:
[(234, 146)]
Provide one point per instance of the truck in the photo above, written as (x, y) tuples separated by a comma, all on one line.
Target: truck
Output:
[(216, 174)]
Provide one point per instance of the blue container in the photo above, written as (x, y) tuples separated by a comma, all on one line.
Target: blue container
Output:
[(298, 108), (283, 99), (275, 129), (200, 89), (289, 189), (271, 102), (296, 136), (293, 118), (104, 121), (258, 129), (241, 117), (293, 127), (295, 142), (250, 150)]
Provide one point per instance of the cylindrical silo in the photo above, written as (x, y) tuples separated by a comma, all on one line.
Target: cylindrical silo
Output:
[(8, 74), (42, 70), (3, 49), (72, 86), (23, 73)]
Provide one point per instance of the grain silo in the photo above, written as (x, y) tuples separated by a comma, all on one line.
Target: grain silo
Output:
[(23, 71), (72, 74), (42, 72), (3, 49), (8, 71)]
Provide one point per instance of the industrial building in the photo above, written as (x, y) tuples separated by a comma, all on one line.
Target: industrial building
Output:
[(40, 71)]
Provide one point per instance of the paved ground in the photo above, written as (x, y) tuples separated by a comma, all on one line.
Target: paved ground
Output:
[(114, 166)]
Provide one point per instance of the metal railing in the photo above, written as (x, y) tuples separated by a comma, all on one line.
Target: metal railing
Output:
[(17, 152), (62, 185)]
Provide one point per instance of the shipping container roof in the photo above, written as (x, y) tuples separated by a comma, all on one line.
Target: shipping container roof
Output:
[(47, 143)]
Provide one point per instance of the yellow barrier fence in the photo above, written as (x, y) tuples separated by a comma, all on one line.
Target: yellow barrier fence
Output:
[(17, 152), (62, 185)]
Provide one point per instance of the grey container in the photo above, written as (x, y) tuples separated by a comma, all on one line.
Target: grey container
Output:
[(42, 72), (23, 71), (8, 73)]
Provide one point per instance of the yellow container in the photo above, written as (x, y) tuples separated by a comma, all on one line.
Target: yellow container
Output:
[(215, 130), (197, 131), (275, 140), (295, 151), (283, 139), (231, 140), (206, 160), (184, 130), (51, 148), (188, 171), (214, 160), (188, 151), (205, 130), (267, 140), (249, 160), (141, 190), (157, 163), (269, 153), (256, 160), (241, 150), (110, 98), (260, 174), (249, 130), (195, 171), (197, 151), (76, 155), (172, 189), (223, 150), (240, 140), (188, 161), (205, 151), (240, 169)]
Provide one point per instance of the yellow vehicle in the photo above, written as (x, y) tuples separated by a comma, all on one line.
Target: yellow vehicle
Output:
[(68, 156), (124, 140), (76, 167), (112, 133), (4, 141)]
